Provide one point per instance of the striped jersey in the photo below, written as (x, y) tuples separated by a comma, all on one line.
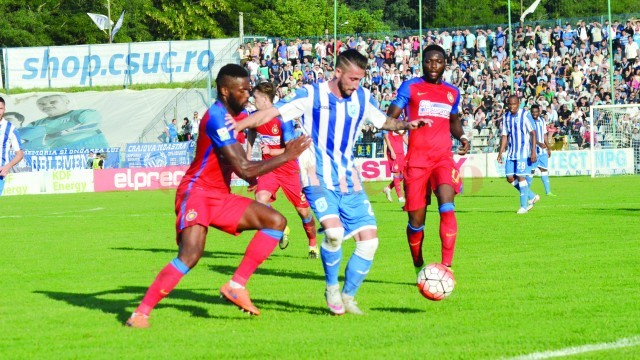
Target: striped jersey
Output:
[(541, 131), (435, 102), (517, 127), (210, 170), (9, 141), (333, 125)]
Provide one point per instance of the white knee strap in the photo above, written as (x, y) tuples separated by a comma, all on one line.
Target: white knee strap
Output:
[(333, 238), (366, 249)]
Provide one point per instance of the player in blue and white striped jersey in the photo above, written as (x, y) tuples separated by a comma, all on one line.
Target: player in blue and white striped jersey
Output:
[(518, 132), (332, 114), (9, 141), (542, 148)]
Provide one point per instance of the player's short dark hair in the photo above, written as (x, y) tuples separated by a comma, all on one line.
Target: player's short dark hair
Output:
[(230, 71), (433, 47), (351, 56), (535, 106), (2, 100), (266, 88)]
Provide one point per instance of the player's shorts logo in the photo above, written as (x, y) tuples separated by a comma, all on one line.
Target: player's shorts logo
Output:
[(303, 198), (321, 204), (455, 176), (191, 215)]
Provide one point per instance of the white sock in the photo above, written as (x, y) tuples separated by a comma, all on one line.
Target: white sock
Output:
[(235, 285)]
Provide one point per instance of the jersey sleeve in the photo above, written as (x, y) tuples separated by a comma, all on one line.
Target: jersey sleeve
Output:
[(402, 98), (14, 138), (529, 125), (504, 126), (373, 113), (291, 108), (217, 130), (288, 130)]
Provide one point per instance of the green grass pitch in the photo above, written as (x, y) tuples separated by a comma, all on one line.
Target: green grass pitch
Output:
[(565, 275)]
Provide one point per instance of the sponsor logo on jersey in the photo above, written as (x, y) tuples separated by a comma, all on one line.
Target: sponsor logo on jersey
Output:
[(223, 134), (427, 108)]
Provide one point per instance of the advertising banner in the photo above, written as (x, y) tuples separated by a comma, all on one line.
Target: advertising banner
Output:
[(115, 64), (49, 182), (158, 154), (138, 179), (65, 159)]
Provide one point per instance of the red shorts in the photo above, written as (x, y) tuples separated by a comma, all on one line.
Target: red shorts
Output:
[(290, 184), (223, 211), (397, 165), (420, 182)]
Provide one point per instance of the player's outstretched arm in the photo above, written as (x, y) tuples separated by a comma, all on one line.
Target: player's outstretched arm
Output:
[(249, 169), (456, 130), (252, 121)]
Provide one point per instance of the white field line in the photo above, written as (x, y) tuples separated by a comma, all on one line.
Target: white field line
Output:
[(620, 343)]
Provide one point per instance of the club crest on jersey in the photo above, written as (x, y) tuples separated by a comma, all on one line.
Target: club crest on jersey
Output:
[(191, 215), (274, 129), (352, 109), (450, 96)]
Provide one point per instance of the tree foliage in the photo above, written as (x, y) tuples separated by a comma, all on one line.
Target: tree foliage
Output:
[(65, 22)]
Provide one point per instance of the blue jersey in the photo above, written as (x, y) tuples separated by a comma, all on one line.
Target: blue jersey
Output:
[(333, 125), (517, 128), (9, 141), (541, 131)]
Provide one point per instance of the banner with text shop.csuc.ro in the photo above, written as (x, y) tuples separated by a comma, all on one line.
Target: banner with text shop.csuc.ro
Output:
[(114, 64)]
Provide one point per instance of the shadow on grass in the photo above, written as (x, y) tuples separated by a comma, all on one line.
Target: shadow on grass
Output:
[(306, 275), (206, 254), (398, 310), (100, 301)]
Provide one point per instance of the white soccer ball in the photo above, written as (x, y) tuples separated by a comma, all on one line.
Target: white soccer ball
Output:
[(435, 282)]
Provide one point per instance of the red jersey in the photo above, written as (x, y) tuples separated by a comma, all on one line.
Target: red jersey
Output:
[(397, 142), (209, 169), (435, 102), (271, 134)]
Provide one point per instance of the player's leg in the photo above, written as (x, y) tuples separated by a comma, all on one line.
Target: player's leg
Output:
[(359, 222), (532, 197), (191, 234), (266, 190), (398, 176), (418, 195), (270, 225), (324, 204), (292, 189), (543, 165), (387, 189), (447, 183)]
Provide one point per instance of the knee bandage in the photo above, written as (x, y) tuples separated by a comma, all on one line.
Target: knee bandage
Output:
[(333, 238), (366, 249)]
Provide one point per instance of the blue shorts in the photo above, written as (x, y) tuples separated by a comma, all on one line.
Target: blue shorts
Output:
[(519, 167), (543, 161), (353, 209), (1, 184)]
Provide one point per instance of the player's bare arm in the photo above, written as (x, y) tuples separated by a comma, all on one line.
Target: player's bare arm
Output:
[(4, 170), (252, 121), (503, 145), (534, 155), (393, 124), (246, 169), (457, 132)]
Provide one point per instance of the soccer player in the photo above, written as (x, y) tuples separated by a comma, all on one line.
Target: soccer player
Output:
[(395, 140), (287, 176), (203, 199), (430, 166), (518, 132), (542, 148), (333, 112), (9, 141)]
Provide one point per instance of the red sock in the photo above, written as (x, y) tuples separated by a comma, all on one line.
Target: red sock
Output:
[(310, 229), (448, 233), (391, 184), (258, 250), (397, 183), (415, 238), (164, 283)]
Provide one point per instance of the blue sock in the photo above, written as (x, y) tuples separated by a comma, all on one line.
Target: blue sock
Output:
[(331, 264), (545, 182), (524, 191), (357, 270), (530, 193)]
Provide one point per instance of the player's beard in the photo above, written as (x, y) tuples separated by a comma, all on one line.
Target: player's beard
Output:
[(344, 92), (237, 106)]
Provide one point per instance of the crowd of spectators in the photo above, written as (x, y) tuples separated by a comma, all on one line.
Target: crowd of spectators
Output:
[(564, 69)]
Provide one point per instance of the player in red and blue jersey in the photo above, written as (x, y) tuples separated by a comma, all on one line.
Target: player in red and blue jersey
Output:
[(272, 143), (395, 141), (430, 166), (204, 199)]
